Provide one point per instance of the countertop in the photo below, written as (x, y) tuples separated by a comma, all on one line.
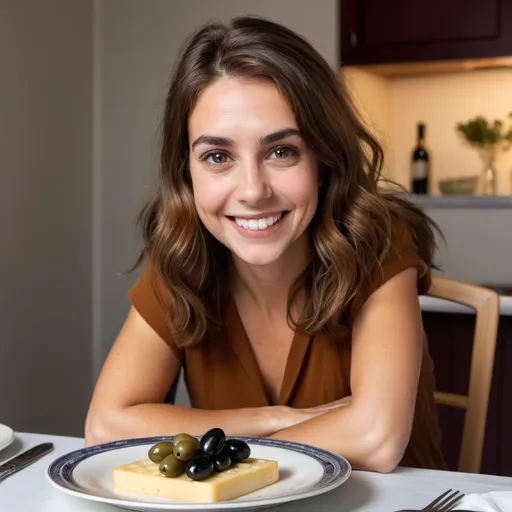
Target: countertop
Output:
[(463, 202), (442, 306)]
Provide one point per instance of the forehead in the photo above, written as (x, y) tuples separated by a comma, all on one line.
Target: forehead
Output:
[(236, 105)]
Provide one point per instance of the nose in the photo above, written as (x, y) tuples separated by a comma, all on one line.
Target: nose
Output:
[(254, 184)]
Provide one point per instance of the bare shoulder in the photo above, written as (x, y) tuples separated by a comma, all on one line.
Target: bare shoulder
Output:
[(394, 300)]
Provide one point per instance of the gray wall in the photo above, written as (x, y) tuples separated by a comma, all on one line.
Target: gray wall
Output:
[(138, 41), (45, 213)]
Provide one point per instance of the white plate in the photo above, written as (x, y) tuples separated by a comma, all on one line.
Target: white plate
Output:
[(6, 436), (304, 471)]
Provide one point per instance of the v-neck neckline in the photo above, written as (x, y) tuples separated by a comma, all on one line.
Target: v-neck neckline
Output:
[(241, 345)]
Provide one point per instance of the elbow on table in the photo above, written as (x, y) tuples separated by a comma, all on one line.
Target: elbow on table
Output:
[(383, 462), (383, 453), (96, 430)]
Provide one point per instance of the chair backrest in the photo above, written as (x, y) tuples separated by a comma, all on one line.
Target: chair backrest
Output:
[(486, 304)]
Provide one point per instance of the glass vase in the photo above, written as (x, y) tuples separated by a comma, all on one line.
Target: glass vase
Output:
[(488, 178)]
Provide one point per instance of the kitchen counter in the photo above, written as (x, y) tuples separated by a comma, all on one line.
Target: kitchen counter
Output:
[(477, 237), (450, 202), (450, 337), (432, 304)]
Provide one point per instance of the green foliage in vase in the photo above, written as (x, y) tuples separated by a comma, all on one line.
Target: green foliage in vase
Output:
[(482, 133)]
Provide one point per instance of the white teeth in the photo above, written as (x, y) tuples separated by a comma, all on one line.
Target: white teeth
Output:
[(253, 224), (257, 224), (262, 223)]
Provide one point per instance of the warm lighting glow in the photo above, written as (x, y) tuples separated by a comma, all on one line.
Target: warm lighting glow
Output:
[(400, 70)]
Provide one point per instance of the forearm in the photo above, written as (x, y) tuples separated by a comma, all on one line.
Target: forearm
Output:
[(145, 420), (366, 442)]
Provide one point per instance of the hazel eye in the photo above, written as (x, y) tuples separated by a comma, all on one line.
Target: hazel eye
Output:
[(283, 153)]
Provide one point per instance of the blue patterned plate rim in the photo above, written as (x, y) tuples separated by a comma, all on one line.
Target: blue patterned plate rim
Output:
[(336, 471)]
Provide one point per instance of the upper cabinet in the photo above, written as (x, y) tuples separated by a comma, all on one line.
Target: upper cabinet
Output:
[(398, 31)]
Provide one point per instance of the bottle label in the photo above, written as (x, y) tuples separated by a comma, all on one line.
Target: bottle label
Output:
[(419, 170)]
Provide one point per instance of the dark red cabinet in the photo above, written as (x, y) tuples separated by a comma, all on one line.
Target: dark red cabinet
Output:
[(394, 31)]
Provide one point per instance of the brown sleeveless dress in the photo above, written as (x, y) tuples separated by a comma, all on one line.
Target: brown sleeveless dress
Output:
[(223, 374)]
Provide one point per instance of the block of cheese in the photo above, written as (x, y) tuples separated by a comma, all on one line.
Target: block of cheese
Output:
[(143, 477)]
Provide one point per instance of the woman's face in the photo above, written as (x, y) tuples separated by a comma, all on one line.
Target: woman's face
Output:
[(255, 181)]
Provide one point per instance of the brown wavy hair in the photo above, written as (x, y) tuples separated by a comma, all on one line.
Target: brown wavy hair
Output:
[(351, 230)]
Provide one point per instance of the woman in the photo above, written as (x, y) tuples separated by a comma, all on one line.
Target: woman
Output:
[(277, 275)]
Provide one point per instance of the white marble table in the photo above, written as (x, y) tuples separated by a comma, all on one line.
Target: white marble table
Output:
[(29, 491)]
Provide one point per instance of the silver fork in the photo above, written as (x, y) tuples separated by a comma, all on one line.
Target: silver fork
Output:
[(443, 503)]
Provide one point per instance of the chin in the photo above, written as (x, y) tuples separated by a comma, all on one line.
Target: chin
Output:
[(259, 258)]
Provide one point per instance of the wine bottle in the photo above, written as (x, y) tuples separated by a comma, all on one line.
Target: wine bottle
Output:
[(420, 169)]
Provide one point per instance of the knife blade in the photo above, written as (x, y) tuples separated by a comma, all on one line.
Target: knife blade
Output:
[(24, 459)]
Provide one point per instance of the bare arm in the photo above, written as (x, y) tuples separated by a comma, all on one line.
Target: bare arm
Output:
[(138, 372), (373, 430)]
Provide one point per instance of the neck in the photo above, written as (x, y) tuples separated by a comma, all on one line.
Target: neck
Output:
[(267, 287)]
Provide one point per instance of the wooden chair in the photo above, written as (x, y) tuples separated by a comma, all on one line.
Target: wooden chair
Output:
[(485, 302)]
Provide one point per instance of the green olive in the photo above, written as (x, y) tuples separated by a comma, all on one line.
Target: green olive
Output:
[(186, 449), (183, 437), (159, 451), (171, 466)]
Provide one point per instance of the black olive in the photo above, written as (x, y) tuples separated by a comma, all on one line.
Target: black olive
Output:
[(238, 450), (213, 441), (222, 460), (199, 468)]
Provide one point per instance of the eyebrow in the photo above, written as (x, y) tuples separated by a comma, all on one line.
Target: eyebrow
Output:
[(213, 140)]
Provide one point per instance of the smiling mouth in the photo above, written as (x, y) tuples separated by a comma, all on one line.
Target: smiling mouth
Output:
[(258, 224)]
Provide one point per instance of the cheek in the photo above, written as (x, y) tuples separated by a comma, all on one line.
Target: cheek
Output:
[(304, 186), (208, 196), (205, 203), (303, 192)]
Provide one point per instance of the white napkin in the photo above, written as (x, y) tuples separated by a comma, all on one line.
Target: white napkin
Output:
[(497, 501)]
